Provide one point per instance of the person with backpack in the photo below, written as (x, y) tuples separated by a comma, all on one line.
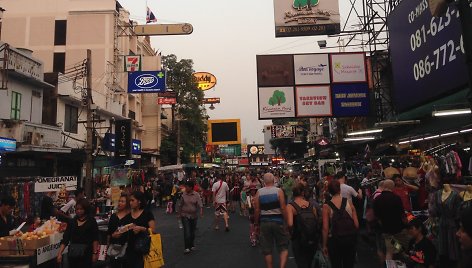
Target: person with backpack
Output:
[(302, 224), (340, 225)]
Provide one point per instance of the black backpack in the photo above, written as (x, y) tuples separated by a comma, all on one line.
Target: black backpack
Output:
[(342, 223), (205, 183), (306, 225)]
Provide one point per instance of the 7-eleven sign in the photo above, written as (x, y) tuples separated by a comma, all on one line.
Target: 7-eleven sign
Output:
[(132, 63)]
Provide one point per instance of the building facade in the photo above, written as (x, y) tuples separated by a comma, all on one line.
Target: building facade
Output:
[(59, 32)]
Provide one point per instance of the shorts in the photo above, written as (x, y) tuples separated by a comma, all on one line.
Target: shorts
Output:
[(271, 232), (220, 209), (402, 238)]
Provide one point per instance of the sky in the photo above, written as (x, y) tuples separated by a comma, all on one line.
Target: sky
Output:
[(227, 37)]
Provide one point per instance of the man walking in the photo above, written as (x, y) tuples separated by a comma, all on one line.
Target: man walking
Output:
[(270, 211), (388, 209), (189, 207), (220, 191)]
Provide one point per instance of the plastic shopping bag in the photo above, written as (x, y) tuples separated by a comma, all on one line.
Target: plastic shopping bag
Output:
[(321, 261), (155, 258)]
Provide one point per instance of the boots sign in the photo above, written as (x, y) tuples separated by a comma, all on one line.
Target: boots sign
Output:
[(54, 184)]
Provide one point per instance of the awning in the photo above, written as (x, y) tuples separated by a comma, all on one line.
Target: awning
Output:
[(32, 148), (439, 125)]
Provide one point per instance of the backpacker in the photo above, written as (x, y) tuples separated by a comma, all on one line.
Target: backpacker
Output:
[(342, 223), (306, 225)]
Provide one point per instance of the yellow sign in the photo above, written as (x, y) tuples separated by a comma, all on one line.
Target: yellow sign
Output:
[(221, 132), (204, 80)]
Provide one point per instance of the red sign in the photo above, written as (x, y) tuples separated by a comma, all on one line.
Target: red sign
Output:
[(166, 101), (211, 100), (322, 142), (168, 94)]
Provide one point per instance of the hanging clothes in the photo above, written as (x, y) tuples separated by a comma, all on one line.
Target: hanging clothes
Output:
[(447, 213)]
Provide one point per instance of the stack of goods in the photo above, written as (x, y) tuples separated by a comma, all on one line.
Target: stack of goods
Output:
[(27, 243)]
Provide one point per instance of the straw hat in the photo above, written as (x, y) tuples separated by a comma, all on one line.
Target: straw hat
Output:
[(390, 171)]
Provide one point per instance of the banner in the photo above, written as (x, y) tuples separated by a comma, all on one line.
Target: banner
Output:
[(282, 131), (306, 17), (314, 101), (53, 184), (146, 82), (132, 63), (123, 138), (351, 100), (7, 145), (311, 69), (276, 102), (348, 68)]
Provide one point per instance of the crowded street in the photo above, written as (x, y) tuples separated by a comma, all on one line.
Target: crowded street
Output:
[(251, 133)]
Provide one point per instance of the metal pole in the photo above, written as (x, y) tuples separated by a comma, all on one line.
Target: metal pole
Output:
[(178, 142), (89, 126), (466, 22)]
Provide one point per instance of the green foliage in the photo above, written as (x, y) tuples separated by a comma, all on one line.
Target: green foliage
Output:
[(189, 109), (277, 98)]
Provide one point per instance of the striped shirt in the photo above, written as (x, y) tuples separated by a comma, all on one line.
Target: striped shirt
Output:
[(270, 205)]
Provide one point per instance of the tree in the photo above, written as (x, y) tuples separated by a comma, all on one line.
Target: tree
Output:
[(277, 98), (188, 110)]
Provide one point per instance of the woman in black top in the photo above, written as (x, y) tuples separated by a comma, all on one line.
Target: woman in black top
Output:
[(142, 221), (82, 230), (115, 236)]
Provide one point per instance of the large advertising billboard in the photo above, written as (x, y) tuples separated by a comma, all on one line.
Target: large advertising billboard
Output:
[(312, 85), (427, 53), (222, 132), (306, 17)]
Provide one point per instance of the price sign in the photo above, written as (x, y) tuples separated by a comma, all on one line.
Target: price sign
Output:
[(428, 56)]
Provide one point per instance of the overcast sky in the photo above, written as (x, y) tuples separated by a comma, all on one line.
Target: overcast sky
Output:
[(227, 37)]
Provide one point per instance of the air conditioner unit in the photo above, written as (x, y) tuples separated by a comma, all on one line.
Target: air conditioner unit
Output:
[(37, 139)]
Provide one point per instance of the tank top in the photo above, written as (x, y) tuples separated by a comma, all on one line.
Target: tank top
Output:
[(270, 205)]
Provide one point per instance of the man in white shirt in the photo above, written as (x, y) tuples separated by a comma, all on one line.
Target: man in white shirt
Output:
[(220, 191), (346, 190)]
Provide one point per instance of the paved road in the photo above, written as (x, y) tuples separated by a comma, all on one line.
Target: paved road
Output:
[(220, 249)]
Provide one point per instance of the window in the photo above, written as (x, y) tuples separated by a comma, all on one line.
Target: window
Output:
[(59, 62), (15, 105), (60, 32), (71, 118)]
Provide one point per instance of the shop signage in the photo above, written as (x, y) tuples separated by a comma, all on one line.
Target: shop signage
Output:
[(49, 252), (53, 184), (7, 145), (255, 149), (162, 101), (132, 63), (313, 101), (211, 100), (301, 85), (427, 53), (136, 149), (276, 102), (167, 94), (123, 138), (311, 69), (275, 70), (204, 80), (322, 142), (282, 131), (348, 68), (306, 17), (351, 100), (243, 161), (231, 150), (146, 82)]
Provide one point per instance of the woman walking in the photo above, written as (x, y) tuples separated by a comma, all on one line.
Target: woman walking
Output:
[(81, 236), (117, 236), (340, 226), (142, 221)]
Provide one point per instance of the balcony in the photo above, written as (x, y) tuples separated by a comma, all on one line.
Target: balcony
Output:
[(34, 137)]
